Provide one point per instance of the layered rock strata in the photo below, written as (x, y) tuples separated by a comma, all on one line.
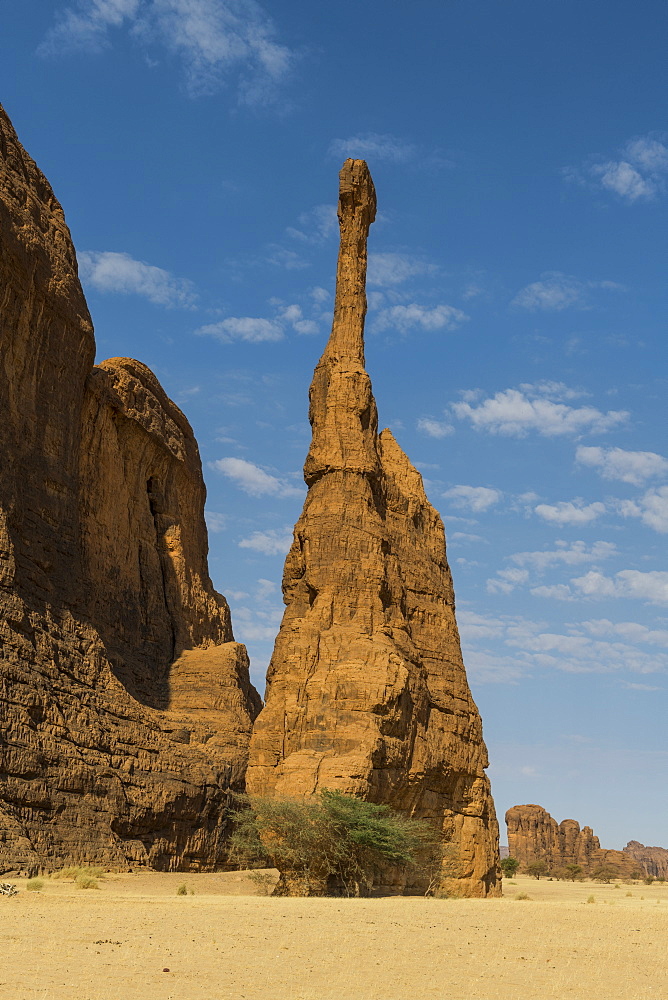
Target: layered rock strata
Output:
[(366, 690), (125, 704), (533, 835), (652, 860)]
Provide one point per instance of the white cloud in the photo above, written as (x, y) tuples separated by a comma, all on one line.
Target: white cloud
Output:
[(107, 271), (630, 631), (316, 225), (434, 428), (405, 318), (474, 498), (636, 174), (465, 536), (215, 522), (372, 145), (534, 646), (507, 580), (252, 329), (557, 291), (255, 329), (555, 592), (565, 553), (652, 509), (215, 40), (651, 587), (273, 542), (515, 412), (253, 480), (570, 512), (387, 269), (629, 466)]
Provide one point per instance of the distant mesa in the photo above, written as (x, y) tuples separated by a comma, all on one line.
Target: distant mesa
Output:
[(366, 689), (533, 835)]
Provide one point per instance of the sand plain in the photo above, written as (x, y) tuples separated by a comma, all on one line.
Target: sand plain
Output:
[(226, 942)]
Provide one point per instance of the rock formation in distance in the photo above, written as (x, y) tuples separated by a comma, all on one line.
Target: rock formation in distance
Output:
[(125, 703), (366, 690), (652, 860), (533, 835)]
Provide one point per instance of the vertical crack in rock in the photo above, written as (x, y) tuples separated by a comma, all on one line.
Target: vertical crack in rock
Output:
[(366, 689)]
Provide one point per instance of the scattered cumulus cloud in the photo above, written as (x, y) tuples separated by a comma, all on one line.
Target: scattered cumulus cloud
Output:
[(628, 466), (531, 646), (374, 146), (256, 329), (507, 580), (215, 522), (216, 41), (108, 271), (254, 480), (639, 173), (540, 408), (434, 428), (315, 226), (565, 554), (273, 542), (405, 318), (570, 512), (556, 291), (475, 498), (651, 587), (652, 509), (388, 269)]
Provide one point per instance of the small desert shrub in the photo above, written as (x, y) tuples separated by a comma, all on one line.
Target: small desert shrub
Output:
[(590, 899), (34, 884), (264, 881), (629, 893), (75, 872), (85, 881), (182, 890), (522, 895), (648, 880)]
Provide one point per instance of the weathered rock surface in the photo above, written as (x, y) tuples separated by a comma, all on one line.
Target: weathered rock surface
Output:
[(367, 691), (652, 860), (125, 704), (533, 835)]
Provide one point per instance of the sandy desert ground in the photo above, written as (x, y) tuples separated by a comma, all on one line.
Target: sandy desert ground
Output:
[(134, 938)]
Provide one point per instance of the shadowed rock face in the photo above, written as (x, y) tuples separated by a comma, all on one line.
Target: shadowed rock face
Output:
[(533, 835), (367, 691), (125, 706)]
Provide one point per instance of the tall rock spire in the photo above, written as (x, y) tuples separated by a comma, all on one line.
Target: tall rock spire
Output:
[(366, 689)]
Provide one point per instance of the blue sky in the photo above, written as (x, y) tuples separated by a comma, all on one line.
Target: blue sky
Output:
[(516, 328)]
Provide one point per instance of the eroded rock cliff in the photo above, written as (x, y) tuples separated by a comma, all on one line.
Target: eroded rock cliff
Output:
[(125, 704), (652, 860), (533, 835), (367, 691)]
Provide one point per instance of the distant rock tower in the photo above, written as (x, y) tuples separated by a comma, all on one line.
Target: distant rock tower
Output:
[(366, 690)]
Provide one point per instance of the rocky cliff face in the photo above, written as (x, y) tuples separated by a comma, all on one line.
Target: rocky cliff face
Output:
[(533, 835), (367, 691), (125, 704), (652, 860)]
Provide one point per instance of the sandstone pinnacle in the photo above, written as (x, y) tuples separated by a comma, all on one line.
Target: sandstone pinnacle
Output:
[(366, 689)]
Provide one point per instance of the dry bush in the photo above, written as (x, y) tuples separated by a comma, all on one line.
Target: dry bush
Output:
[(34, 884), (182, 890), (85, 881)]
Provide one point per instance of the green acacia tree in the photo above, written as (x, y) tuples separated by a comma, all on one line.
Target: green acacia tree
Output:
[(509, 867), (537, 868), (333, 843)]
